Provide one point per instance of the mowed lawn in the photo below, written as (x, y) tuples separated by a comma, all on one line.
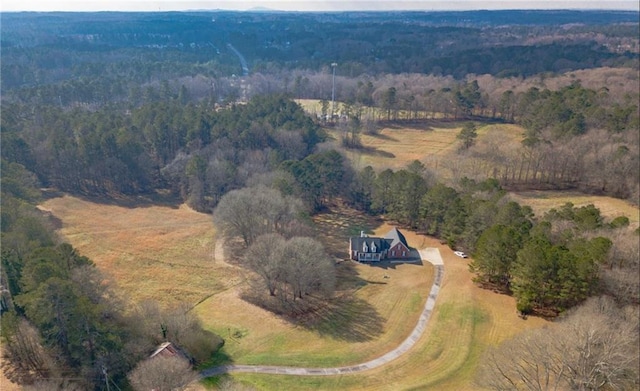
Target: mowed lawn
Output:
[(466, 320), (376, 308)]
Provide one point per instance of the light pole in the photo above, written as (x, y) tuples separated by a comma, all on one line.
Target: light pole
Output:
[(333, 90)]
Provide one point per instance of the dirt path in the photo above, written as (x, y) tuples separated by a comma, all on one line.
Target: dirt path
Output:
[(431, 255)]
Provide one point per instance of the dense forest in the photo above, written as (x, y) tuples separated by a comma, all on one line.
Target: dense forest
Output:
[(110, 104)]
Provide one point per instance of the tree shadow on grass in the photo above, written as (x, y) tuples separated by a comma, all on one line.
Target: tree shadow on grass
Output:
[(346, 318), (382, 136), (376, 152), (143, 200)]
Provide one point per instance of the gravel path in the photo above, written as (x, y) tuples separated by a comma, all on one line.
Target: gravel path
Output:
[(431, 255)]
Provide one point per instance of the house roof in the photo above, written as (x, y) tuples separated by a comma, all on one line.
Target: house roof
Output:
[(392, 238), (167, 349), (380, 243), (396, 237)]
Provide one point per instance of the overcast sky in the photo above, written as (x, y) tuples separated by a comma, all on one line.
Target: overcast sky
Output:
[(310, 5)]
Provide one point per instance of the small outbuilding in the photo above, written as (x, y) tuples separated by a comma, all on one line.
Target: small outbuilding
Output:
[(167, 349)]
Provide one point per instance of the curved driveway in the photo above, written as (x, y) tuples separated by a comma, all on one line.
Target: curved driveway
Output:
[(428, 254)]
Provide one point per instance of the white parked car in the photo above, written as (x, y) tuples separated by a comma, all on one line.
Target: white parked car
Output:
[(460, 254)]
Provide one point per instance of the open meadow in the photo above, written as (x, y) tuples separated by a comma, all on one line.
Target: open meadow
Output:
[(164, 253)]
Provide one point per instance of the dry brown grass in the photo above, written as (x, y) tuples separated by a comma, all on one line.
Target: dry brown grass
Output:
[(610, 208), (434, 143), (151, 252), (6, 384)]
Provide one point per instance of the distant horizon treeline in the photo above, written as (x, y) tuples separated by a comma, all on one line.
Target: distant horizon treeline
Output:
[(143, 47)]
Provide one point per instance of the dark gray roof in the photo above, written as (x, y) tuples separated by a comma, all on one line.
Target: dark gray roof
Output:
[(392, 238), (396, 236), (357, 241)]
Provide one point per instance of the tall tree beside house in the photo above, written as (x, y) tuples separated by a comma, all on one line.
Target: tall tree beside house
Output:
[(362, 188), (442, 212), (382, 195), (408, 188), (162, 374)]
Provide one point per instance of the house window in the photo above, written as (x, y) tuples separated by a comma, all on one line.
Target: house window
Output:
[(373, 247), (404, 253), (364, 247), (393, 253)]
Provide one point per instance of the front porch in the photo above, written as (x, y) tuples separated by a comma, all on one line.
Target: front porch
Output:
[(369, 257)]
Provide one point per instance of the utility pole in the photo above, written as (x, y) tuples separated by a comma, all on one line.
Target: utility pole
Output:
[(333, 90)]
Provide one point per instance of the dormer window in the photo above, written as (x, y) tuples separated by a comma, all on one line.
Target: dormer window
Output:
[(364, 247), (373, 247)]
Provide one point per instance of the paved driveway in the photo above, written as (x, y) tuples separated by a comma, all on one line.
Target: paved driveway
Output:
[(431, 255)]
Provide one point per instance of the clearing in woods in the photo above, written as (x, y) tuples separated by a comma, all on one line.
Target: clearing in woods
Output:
[(610, 208), (167, 253), (434, 143)]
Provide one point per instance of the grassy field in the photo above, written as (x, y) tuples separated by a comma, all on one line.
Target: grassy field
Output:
[(434, 143), (167, 253), (610, 208), (152, 252)]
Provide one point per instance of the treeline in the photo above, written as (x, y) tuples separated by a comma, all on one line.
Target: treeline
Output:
[(98, 59), (63, 324), (576, 137), (191, 148), (549, 263)]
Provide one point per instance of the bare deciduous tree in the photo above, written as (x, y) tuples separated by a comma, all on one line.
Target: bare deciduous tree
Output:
[(177, 325), (23, 348), (594, 348), (250, 212), (291, 269), (307, 267), (162, 374), (264, 257)]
